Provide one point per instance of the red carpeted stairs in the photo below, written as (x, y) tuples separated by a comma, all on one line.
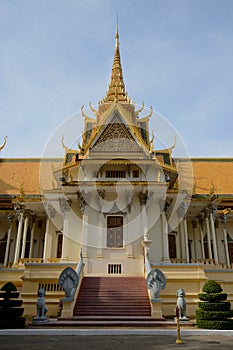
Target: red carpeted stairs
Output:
[(105, 302), (112, 296)]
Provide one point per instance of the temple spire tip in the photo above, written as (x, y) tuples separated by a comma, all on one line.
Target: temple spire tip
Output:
[(117, 33), (116, 90)]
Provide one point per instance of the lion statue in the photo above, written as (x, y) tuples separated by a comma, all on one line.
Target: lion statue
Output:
[(181, 304), (41, 306)]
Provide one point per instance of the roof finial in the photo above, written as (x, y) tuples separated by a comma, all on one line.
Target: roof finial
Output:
[(117, 34), (116, 90), (4, 143)]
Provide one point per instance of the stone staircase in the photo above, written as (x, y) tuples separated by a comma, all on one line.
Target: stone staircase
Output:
[(113, 296), (112, 302)]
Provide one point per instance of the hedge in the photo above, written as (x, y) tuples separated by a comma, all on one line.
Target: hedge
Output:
[(8, 303), (214, 315), (212, 297), (10, 310), (212, 286), (11, 313), (213, 324), (7, 295), (220, 306), (16, 323)]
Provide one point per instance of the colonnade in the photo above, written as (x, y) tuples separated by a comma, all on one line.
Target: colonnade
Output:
[(206, 222), (25, 218), (195, 240)]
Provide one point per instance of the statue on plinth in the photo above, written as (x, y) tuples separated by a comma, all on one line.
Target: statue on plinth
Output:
[(155, 282), (41, 307), (68, 280), (181, 305)]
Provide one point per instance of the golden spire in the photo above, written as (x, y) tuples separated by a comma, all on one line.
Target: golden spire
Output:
[(116, 90)]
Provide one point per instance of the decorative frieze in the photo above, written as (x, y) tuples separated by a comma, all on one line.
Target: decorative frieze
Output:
[(65, 205), (19, 210), (81, 201), (143, 196), (51, 212)]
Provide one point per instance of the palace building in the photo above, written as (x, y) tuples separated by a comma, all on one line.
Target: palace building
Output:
[(119, 203)]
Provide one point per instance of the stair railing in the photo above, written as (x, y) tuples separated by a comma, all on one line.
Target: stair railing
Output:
[(80, 264), (147, 261), (155, 279), (70, 280)]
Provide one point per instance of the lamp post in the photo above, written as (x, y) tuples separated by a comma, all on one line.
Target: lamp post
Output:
[(178, 339)]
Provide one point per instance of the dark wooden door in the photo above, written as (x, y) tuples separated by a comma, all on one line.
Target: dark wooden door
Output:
[(172, 246), (230, 249), (2, 252), (115, 231), (59, 245)]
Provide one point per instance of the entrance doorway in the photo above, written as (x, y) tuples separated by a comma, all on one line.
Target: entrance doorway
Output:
[(115, 231), (230, 249), (59, 245), (172, 246)]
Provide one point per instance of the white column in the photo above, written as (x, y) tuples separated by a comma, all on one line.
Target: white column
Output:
[(181, 241), (143, 201), (186, 239), (64, 252), (46, 239), (85, 233), (20, 214), (224, 221), (10, 220), (143, 196), (208, 233), (100, 237), (100, 200), (202, 237), (181, 212), (83, 208), (65, 206), (194, 223), (214, 238), (25, 230), (32, 237), (165, 257)]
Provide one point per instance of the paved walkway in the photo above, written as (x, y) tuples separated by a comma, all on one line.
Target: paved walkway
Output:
[(113, 339)]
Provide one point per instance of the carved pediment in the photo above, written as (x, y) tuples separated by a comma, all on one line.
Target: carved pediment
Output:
[(116, 137)]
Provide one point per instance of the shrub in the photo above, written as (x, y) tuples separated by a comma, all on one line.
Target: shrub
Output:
[(214, 312), (212, 286), (212, 297), (217, 306), (212, 324), (10, 310), (214, 315)]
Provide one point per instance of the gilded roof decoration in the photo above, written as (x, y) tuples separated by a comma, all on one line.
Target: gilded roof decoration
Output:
[(116, 90), (116, 138), (4, 143)]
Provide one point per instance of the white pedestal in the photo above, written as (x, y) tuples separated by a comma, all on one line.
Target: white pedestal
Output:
[(156, 308)]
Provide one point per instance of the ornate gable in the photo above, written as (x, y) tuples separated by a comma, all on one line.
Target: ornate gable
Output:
[(116, 139)]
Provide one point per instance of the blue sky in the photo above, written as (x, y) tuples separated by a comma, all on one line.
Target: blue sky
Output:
[(56, 55)]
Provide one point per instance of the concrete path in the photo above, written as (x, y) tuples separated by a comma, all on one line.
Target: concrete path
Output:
[(113, 339)]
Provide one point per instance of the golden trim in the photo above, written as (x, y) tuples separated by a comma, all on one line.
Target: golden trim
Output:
[(4, 143)]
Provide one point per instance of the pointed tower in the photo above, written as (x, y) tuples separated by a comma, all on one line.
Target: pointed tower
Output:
[(116, 90), (116, 109)]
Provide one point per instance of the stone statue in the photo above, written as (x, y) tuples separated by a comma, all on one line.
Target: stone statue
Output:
[(155, 282), (181, 304), (68, 280), (41, 307)]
